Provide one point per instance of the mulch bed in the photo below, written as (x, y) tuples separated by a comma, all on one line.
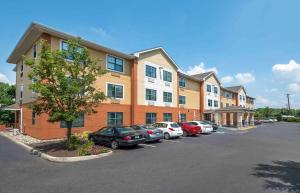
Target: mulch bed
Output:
[(59, 149)]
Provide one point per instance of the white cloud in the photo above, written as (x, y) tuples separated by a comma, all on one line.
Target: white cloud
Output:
[(294, 87), (288, 71), (200, 68), (4, 79), (262, 101), (100, 31), (227, 79), (244, 78)]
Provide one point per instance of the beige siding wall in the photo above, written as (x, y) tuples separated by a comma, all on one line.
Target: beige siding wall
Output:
[(212, 81), (192, 94), (111, 77), (156, 57)]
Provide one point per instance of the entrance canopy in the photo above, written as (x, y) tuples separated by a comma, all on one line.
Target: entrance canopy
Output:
[(232, 109), (13, 107)]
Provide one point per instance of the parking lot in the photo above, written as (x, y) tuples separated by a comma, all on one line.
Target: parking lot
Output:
[(263, 159)]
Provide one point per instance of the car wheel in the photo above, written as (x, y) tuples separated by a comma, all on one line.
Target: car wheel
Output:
[(185, 134), (114, 145), (167, 136)]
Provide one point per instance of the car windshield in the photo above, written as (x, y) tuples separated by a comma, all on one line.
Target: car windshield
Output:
[(174, 125), (190, 124), (125, 130)]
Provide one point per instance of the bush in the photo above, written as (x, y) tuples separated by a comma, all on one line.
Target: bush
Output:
[(278, 117), (86, 148), (293, 119), (74, 142)]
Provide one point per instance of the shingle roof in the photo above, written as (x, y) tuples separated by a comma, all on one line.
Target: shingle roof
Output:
[(235, 88), (202, 75)]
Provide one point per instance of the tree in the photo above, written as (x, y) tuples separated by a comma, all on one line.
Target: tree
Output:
[(63, 81), (7, 97)]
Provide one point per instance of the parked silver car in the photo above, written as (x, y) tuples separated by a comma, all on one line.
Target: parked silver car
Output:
[(151, 133)]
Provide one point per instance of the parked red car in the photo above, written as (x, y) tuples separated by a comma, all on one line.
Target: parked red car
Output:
[(189, 129)]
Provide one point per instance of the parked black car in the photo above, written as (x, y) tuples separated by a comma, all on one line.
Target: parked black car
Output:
[(116, 137), (214, 125)]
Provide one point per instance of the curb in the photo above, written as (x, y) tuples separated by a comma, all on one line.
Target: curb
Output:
[(57, 159)]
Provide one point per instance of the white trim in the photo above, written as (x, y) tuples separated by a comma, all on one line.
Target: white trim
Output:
[(123, 90), (106, 57)]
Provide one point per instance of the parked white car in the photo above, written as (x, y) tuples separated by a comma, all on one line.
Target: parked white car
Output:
[(205, 127), (170, 129)]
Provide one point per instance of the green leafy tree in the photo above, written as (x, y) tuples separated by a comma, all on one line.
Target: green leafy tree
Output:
[(63, 81), (7, 97)]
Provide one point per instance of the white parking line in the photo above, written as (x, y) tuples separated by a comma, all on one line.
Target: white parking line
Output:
[(147, 145)]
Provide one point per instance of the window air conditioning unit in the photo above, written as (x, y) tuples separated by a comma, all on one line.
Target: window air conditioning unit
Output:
[(151, 80), (151, 103), (167, 84), (167, 104), (115, 101)]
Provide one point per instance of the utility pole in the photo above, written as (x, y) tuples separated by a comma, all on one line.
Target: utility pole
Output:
[(288, 98)]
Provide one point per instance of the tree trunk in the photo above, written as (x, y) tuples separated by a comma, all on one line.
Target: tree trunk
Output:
[(69, 133)]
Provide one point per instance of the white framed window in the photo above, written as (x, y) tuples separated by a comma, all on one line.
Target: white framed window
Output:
[(182, 82), (150, 71), (209, 102), (182, 100), (167, 97), (115, 91), (167, 76), (114, 63)]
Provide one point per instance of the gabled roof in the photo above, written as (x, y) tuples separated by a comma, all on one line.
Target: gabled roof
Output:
[(34, 32), (204, 76), (236, 89), (137, 54)]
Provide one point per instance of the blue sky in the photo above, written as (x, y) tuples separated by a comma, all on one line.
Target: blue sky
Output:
[(255, 42)]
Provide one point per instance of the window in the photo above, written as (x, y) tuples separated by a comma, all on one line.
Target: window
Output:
[(34, 51), (209, 102), (216, 90), (244, 98), (65, 47), (150, 71), (21, 68), (216, 104), (182, 117), (168, 117), (167, 76), (33, 118), (115, 64), (115, 91), (167, 97), (208, 88), (21, 94), (227, 104), (240, 97), (182, 82), (79, 122), (227, 95), (150, 118), (115, 118), (150, 94), (181, 100)]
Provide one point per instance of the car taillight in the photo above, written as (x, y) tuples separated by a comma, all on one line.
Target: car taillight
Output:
[(171, 129), (150, 132), (127, 138)]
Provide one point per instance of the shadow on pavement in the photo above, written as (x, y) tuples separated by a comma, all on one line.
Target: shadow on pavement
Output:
[(280, 176)]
